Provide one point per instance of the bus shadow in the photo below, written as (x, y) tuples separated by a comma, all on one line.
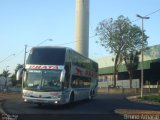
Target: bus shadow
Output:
[(63, 107)]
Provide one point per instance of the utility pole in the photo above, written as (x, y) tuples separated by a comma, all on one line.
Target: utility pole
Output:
[(25, 52)]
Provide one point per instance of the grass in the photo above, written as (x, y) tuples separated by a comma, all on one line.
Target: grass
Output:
[(155, 98)]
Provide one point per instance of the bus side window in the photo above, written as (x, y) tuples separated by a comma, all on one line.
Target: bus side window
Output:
[(75, 82)]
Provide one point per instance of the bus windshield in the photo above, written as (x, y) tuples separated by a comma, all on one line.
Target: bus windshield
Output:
[(55, 56), (42, 80)]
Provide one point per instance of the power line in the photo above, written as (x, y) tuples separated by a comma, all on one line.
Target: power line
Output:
[(93, 35), (154, 12), (14, 56), (7, 58), (146, 15), (69, 43), (20, 52), (75, 41)]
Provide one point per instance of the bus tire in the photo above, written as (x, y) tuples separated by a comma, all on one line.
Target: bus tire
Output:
[(71, 100), (91, 95), (39, 104)]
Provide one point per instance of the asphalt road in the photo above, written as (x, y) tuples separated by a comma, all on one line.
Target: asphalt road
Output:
[(101, 108)]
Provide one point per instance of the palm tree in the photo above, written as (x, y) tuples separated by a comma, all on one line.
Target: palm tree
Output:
[(18, 67), (5, 74)]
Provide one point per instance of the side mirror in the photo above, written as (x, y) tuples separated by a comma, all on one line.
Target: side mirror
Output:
[(19, 74), (62, 77)]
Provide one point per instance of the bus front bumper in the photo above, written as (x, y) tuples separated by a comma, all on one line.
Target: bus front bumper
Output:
[(43, 100)]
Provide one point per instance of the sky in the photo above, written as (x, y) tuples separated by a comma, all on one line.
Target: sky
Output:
[(34, 22)]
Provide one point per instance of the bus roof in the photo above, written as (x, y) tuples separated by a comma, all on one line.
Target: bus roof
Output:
[(61, 47)]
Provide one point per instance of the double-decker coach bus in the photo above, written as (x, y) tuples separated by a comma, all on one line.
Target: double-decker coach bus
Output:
[(57, 75)]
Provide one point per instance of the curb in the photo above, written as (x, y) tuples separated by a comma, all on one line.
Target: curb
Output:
[(1, 106), (2, 100), (136, 112), (136, 100), (133, 114)]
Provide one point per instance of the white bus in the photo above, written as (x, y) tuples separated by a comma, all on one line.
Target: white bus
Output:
[(57, 75)]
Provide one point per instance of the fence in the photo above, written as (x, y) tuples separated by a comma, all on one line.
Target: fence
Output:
[(10, 89), (127, 90), (120, 83)]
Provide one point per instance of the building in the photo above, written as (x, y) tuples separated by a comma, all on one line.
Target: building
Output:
[(151, 69)]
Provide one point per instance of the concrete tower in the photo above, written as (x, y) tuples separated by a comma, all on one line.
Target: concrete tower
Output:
[(82, 27)]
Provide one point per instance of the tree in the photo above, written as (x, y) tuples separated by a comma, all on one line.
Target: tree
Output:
[(14, 81), (13, 78), (18, 67), (5, 74), (131, 62), (119, 37)]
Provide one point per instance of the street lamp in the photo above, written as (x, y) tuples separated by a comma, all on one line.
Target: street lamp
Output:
[(7, 58), (45, 41), (142, 50), (7, 67)]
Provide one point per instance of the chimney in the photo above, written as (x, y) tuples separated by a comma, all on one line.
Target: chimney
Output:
[(82, 27)]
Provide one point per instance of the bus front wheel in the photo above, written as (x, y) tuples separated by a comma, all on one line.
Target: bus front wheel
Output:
[(91, 94), (39, 104), (71, 98)]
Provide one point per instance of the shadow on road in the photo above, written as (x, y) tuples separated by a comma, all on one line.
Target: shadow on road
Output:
[(61, 107), (71, 117)]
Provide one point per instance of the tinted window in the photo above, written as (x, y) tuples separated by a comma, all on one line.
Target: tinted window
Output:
[(47, 56), (83, 62), (80, 82)]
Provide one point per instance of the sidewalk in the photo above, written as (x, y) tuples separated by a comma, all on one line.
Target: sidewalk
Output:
[(135, 99), (1, 108), (8, 95), (135, 114), (131, 114)]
